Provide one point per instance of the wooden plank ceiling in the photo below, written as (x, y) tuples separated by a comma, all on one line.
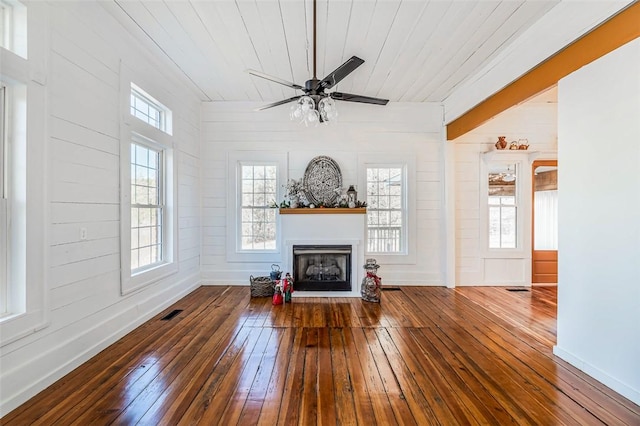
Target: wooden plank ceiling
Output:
[(414, 50)]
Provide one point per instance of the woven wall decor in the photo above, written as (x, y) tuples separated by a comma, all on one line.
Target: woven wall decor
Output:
[(322, 179)]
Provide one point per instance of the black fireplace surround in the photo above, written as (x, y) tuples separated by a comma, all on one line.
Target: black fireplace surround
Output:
[(322, 267)]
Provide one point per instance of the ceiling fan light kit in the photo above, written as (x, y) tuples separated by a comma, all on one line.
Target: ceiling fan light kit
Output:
[(316, 105)]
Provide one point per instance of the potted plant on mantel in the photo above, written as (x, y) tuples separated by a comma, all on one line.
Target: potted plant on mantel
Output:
[(295, 191)]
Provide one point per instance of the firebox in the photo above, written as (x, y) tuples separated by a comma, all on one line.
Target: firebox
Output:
[(322, 267)]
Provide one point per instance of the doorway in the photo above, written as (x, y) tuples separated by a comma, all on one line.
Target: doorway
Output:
[(544, 254)]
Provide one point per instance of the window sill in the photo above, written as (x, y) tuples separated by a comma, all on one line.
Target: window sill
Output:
[(147, 277)]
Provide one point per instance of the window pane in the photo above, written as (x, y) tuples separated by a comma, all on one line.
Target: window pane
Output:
[(494, 227), (508, 227), (146, 210), (258, 189), (147, 109), (502, 205), (385, 192)]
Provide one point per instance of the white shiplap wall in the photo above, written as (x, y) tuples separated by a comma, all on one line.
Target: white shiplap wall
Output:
[(412, 130), (86, 310), (535, 120)]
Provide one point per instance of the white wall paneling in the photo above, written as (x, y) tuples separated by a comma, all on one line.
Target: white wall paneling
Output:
[(535, 120), (409, 129), (81, 80), (599, 232)]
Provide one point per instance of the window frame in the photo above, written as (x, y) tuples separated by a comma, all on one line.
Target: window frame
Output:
[(488, 161), (4, 204), (14, 26), (134, 130), (235, 161), (242, 206), (29, 150), (165, 115), (407, 162), (403, 208), (160, 205)]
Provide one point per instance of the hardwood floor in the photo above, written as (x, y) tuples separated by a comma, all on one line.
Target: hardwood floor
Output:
[(424, 356)]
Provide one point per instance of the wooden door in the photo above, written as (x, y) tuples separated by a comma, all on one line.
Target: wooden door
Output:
[(544, 254)]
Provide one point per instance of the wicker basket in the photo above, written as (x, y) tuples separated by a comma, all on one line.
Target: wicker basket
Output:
[(261, 286)]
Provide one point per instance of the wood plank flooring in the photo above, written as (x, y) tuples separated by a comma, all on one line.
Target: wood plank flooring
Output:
[(424, 356)]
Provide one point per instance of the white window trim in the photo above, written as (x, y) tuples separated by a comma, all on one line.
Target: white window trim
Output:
[(33, 220), (408, 163), (235, 160), (523, 202), (133, 130)]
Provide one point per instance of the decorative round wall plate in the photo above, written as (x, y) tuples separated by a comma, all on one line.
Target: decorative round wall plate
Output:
[(322, 179)]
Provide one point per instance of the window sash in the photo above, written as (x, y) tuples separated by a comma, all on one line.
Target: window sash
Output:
[(4, 206), (6, 18), (501, 217), (3, 143), (386, 211), (257, 230), (147, 109), (148, 210)]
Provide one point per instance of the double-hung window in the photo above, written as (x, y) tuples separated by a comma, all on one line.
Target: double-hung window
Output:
[(258, 190), (503, 190), (256, 180), (4, 205), (502, 205), (386, 209), (147, 206), (148, 209)]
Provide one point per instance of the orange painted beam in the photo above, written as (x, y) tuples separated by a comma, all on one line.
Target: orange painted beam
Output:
[(615, 32)]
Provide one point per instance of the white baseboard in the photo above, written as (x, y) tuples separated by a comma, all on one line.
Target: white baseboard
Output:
[(601, 376), (141, 312)]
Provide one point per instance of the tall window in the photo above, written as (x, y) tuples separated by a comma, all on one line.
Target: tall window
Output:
[(258, 189), (386, 209), (147, 206), (4, 204), (503, 207)]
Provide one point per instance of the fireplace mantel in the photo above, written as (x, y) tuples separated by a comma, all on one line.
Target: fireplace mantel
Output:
[(324, 210)]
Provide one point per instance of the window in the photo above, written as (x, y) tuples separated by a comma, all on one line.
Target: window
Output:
[(149, 110), (148, 212), (23, 153), (13, 27), (147, 207), (255, 184), (386, 209), (258, 189), (4, 204), (502, 204)]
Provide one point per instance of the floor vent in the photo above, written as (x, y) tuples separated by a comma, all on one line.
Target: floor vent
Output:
[(391, 289), (171, 314), (518, 289)]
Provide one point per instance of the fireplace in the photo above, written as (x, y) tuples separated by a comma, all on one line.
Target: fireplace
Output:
[(322, 267)]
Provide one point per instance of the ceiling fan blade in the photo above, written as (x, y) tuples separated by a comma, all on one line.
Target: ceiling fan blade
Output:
[(338, 96), (275, 79), (275, 104), (341, 72)]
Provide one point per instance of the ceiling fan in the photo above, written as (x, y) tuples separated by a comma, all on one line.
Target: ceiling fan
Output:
[(316, 105)]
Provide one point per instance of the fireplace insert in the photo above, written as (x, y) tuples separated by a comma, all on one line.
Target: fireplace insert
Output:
[(322, 267)]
